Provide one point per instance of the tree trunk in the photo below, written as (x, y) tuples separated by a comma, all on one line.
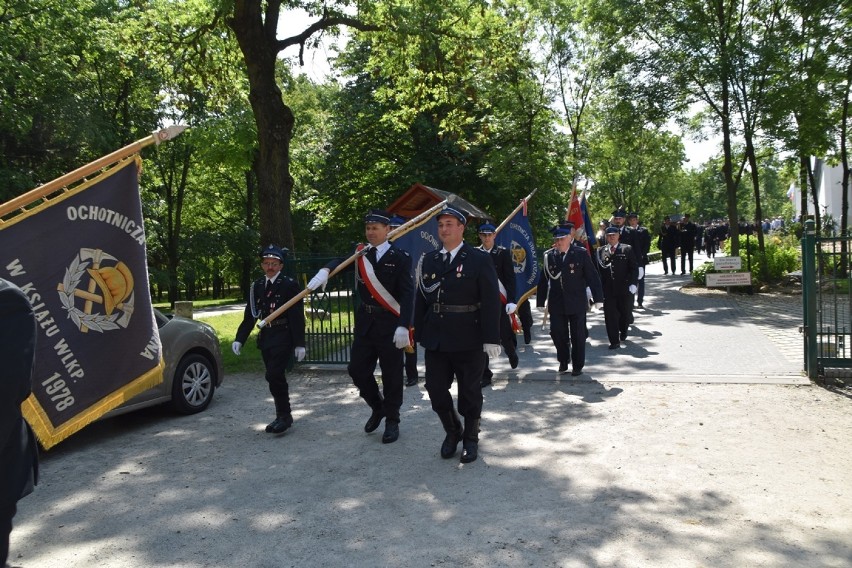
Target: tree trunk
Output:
[(758, 212), (812, 186), (728, 162), (803, 185), (273, 118)]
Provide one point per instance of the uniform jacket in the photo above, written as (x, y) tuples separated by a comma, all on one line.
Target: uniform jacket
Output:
[(669, 238), (642, 244), (563, 282), (622, 272), (18, 446), (393, 270), (469, 280), (687, 235), (505, 270), (289, 327)]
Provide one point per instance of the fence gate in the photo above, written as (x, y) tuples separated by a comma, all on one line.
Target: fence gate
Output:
[(329, 313), (826, 293)]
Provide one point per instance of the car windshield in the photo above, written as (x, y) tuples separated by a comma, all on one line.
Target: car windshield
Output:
[(161, 318)]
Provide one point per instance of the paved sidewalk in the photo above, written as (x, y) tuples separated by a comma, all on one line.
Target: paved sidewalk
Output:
[(698, 444)]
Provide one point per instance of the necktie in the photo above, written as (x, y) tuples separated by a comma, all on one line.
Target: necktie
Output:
[(612, 250), (371, 255), (268, 284), (561, 257), (447, 259)]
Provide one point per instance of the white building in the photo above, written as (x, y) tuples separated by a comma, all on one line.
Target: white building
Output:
[(829, 192)]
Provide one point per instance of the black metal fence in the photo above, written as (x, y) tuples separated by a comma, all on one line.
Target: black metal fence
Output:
[(329, 313)]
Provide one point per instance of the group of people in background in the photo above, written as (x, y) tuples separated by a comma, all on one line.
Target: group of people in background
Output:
[(688, 237)]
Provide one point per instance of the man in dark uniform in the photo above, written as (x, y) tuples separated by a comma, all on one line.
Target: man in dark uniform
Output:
[(619, 276), (506, 283), (409, 353), (18, 447), (282, 337), (710, 240), (626, 235), (384, 282), (456, 320), (567, 273), (687, 243), (668, 240), (642, 246)]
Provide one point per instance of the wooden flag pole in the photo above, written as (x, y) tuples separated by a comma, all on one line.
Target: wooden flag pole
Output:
[(515, 210), (399, 231), (44, 190)]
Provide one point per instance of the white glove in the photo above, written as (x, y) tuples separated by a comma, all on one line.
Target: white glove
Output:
[(492, 349), (641, 273), (632, 289), (598, 306), (510, 308), (588, 293), (319, 279), (236, 346), (400, 338), (300, 353)]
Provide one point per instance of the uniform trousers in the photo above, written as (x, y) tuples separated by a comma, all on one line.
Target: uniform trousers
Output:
[(669, 256), (569, 336), (7, 512), (684, 254), (467, 367), (276, 352), (640, 293), (617, 314), (377, 345), (410, 364)]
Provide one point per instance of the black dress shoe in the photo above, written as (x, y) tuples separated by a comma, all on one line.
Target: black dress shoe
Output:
[(374, 420), (484, 382), (622, 336), (470, 450), (613, 345), (563, 367), (513, 360), (411, 381), (576, 372), (280, 424), (391, 432)]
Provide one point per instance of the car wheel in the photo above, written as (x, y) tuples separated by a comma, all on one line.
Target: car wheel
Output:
[(193, 384)]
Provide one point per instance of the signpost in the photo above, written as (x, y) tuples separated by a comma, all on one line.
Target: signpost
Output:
[(723, 279), (727, 263), (718, 279)]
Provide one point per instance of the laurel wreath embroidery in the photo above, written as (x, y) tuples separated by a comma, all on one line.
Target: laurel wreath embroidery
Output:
[(95, 322)]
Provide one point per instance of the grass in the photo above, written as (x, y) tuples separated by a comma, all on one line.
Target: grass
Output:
[(249, 360), (166, 308), (321, 346)]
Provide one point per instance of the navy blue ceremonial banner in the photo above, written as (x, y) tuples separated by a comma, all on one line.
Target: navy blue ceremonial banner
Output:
[(517, 236), (80, 259), (419, 240)]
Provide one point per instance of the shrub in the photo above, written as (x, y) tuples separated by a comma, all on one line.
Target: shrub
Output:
[(781, 256), (699, 275)]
